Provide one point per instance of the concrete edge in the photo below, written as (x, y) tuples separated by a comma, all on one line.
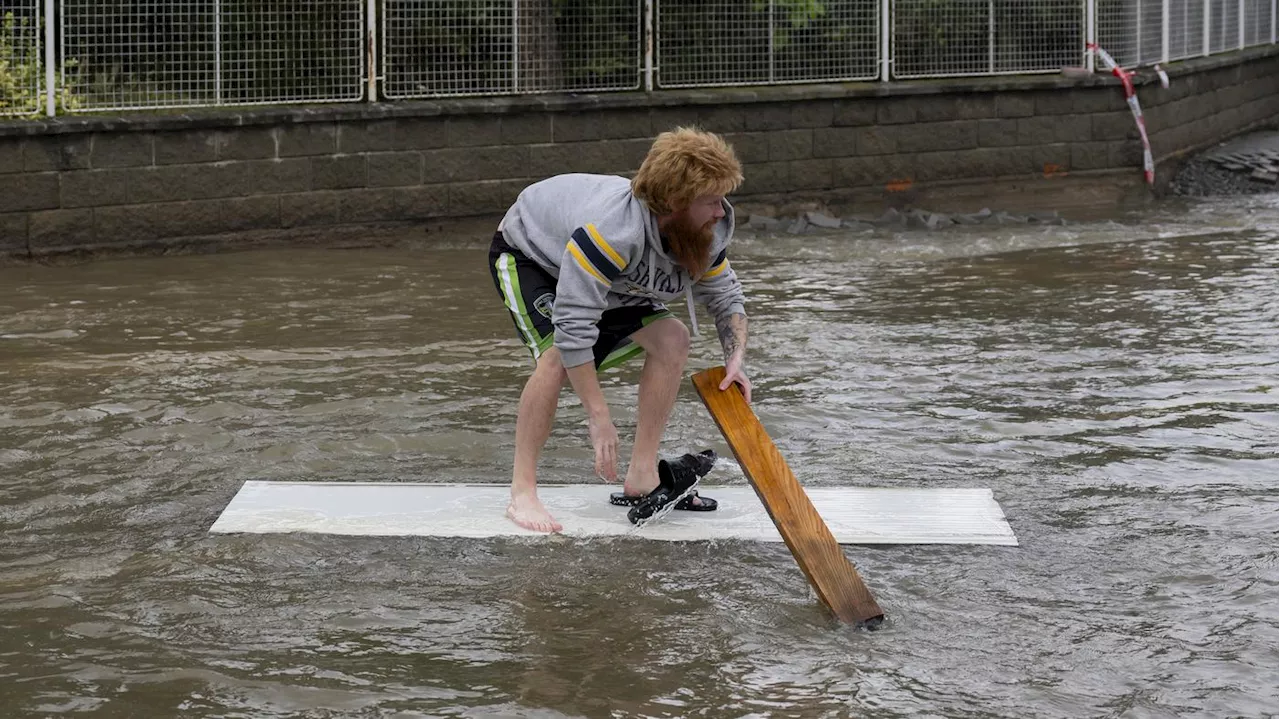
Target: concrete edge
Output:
[(938, 195)]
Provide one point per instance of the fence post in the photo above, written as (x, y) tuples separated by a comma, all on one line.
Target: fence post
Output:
[(371, 49), (1240, 22), (51, 92), (1205, 27), (772, 57), (991, 37), (1164, 32), (1137, 33), (648, 21), (515, 45), (1090, 32), (218, 51), (886, 44)]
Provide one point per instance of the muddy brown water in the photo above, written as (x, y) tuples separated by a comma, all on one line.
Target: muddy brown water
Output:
[(1113, 382)]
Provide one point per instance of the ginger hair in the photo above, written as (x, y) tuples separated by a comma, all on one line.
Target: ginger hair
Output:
[(683, 164)]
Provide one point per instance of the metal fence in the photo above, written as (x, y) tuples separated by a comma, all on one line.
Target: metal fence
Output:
[(1186, 30), (1144, 32), (21, 63), (731, 42), (138, 54), (133, 54), (490, 47), (986, 37), (1133, 30), (1260, 22)]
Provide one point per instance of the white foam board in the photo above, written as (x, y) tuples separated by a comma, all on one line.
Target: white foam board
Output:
[(855, 515)]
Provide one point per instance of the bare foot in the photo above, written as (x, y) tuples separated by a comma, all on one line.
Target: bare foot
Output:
[(640, 487), (527, 511)]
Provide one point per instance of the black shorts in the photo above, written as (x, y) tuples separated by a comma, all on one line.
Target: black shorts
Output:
[(529, 293)]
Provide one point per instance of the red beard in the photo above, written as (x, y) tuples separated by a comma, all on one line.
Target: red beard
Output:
[(689, 244)]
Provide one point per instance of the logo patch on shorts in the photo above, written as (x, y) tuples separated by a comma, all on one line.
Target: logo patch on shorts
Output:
[(545, 304)]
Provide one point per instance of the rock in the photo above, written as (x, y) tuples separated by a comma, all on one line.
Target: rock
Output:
[(858, 225), (891, 217), (1004, 218), (1264, 175), (916, 219), (819, 219), (927, 220), (976, 218), (798, 226), (1242, 165), (764, 222), (1046, 218)]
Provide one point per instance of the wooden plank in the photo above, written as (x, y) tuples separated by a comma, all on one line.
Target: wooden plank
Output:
[(830, 573)]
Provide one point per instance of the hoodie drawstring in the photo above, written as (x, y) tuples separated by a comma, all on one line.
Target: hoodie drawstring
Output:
[(688, 299), (688, 294), (651, 263)]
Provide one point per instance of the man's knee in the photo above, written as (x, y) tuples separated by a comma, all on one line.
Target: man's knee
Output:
[(672, 341), (551, 366)]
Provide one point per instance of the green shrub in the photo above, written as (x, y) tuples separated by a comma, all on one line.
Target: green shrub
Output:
[(20, 72)]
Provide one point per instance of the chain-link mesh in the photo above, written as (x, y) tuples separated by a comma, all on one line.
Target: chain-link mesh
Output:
[(1038, 35), (1224, 25), (733, 42), (292, 50), (1257, 22), (986, 37), (21, 61), (1186, 29), (1150, 31), (1132, 30), (489, 47), (124, 54), (951, 38), (1117, 30)]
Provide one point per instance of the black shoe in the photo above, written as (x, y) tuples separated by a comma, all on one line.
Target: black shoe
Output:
[(675, 477)]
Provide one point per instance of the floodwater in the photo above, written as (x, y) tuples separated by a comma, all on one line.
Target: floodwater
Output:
[(1113, 382)]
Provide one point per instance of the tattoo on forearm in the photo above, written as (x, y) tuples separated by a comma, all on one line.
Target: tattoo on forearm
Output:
[(733, 335)]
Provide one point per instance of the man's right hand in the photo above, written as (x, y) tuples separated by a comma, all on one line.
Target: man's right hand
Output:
[(604, 438)]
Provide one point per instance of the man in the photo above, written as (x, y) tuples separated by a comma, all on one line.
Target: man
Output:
[(585, 263)]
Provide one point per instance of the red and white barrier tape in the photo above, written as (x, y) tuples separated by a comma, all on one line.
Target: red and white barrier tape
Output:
[(1131, 97)]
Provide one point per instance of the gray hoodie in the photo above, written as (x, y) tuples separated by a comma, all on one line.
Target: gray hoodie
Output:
[(602, 245)]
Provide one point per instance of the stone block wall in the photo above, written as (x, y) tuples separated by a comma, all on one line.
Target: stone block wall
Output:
[(86, 183)]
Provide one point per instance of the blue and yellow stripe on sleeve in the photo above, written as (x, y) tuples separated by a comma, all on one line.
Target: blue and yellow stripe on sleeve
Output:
[(594, 254), (720, 264)]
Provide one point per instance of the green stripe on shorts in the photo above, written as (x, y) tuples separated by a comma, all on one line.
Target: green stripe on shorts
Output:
[(510, 281), (627, 349)]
